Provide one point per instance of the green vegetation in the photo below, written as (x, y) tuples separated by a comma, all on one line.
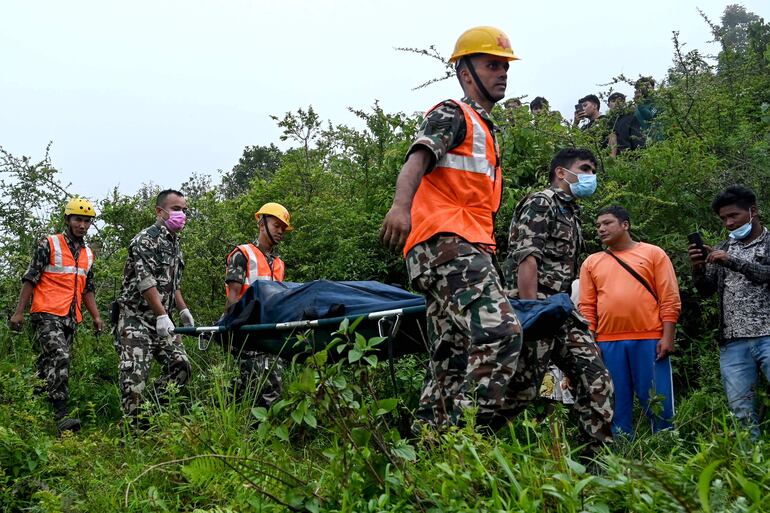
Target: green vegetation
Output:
[(338, 440)]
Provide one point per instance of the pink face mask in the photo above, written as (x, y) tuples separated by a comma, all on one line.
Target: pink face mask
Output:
[(176, 220)]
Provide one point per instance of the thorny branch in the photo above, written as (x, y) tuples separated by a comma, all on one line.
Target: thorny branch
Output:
[(431, 52)]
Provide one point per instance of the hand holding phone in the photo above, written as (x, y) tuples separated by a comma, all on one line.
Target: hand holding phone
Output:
[(579, 112), (696, 241)]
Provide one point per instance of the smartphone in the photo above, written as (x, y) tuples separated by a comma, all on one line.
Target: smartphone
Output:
[(578, 107), (696, 239)]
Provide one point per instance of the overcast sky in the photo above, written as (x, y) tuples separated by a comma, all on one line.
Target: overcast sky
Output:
[(132, 92)]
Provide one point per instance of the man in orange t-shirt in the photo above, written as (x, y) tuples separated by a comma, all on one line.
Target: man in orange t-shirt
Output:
[(630, 296)]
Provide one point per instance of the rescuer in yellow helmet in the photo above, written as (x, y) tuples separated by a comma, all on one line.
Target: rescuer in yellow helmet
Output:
[(447, 195), (247, 264), (59, 279)]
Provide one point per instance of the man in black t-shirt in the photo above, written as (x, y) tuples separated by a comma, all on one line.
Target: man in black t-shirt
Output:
[(623, 123), (619, 119)]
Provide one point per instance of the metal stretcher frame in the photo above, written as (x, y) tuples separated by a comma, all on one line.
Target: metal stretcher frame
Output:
[(406, 335), (274, 338)]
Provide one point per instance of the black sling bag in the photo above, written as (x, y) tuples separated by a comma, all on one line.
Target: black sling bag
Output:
[(633, 273)]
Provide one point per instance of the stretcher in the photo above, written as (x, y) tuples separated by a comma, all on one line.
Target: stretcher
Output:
[(296, 319)]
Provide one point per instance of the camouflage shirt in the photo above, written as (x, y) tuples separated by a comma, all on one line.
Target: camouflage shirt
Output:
[(546, 225), (236, 265), (41, 258), (154, 260), (443, 128)]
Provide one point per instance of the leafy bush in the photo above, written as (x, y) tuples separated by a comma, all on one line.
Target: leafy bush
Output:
[(339, 440)]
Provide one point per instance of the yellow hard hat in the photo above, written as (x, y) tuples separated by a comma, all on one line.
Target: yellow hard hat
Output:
[(79, 207), (277, 210), (487, 40)]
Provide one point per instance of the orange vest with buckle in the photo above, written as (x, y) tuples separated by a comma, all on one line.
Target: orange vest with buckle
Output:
[(63, 280), (257, 267), (461, 195)]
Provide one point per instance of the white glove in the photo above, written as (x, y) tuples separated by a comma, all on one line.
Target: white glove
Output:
[(164, 326), (186, 317)]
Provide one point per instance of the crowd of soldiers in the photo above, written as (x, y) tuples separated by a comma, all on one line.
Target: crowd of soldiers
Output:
[(442, 219)]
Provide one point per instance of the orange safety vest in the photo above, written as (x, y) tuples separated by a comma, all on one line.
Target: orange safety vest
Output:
[(63, 280), (461, 195), (257, 267)]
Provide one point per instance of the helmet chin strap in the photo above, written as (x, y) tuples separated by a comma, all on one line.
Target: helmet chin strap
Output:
[(267, 231), (472, 70)]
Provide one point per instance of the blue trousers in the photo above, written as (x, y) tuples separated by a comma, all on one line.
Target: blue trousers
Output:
[(739, 359), (633, 369)]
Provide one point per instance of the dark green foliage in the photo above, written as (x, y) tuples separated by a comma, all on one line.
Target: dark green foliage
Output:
[(339, 439), (31, 200), (256, 163)]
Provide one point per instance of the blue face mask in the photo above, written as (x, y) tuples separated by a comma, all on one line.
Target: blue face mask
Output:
[(585, 186), (742, 232)]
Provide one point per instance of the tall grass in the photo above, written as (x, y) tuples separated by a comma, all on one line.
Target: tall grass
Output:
[(203, 451)]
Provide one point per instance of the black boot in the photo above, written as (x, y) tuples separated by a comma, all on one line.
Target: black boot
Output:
[(63, 422)]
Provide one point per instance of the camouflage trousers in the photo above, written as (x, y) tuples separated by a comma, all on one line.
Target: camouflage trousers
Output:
[(54, 339), (474, 334), (577, 355), (139, 346), (260, 378)]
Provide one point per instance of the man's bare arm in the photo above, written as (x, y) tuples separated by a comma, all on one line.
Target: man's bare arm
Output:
[(526, 278), (398, 221)]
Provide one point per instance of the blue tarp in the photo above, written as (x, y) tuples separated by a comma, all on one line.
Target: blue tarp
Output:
[(272, 302), (543, 317), (319, 299), (268, 303)]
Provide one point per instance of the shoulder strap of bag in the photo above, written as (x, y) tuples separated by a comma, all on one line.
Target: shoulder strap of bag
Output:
[(633, 273)]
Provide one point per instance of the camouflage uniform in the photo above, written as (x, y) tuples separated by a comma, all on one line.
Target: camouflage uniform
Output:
[(260, 373), (54, 334), (154, 260), (474, 334), (546, 225)]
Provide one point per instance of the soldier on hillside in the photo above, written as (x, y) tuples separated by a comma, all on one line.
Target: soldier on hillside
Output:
[(247, 264), (545, 243), (447, 195), (59, 262), (151, 292)]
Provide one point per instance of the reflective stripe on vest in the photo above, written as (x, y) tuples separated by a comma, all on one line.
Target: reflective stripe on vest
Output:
[(257, 267), (63, 280), (58, 268), (461, 195), (254, 256), (478, 161)]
